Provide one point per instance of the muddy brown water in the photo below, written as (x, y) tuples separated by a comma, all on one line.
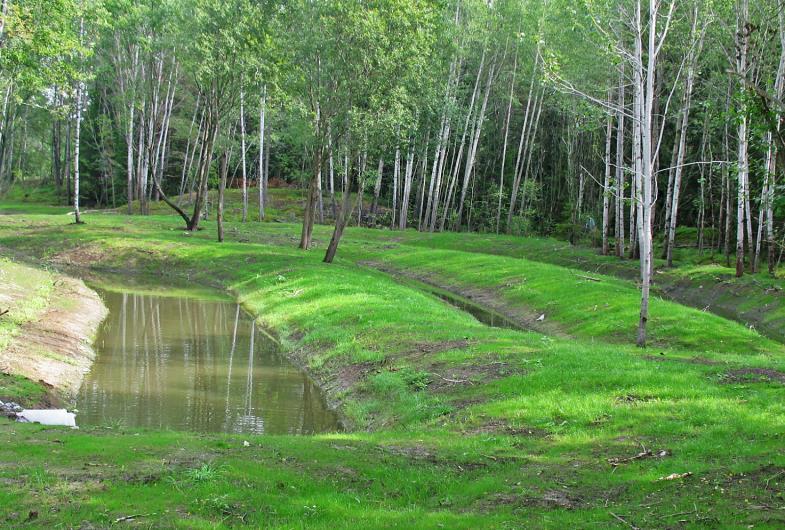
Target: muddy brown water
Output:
[(195, 364)]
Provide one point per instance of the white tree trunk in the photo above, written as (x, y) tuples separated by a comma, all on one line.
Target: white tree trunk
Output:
[(77, 134), (685, 117), (742, 48), (261, 178), (396, 175), (606, 188), (456, 166), (184, 169), (472, 155), (506, 136), (407, 186), (520, 157), (242, 155), (620, 180)]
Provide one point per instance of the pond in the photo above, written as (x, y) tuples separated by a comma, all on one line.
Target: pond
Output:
[(195, 364)]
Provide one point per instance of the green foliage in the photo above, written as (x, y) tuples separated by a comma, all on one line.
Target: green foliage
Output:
[(40, 36)]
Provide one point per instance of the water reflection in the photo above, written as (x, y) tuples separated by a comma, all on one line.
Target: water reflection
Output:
[(198, 365)]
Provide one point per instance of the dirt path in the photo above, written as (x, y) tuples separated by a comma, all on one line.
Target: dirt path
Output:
[(53, 345)]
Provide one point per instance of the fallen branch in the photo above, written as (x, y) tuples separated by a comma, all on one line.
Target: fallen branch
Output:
[(643, 454), (618, 517), (454, 381), (675, 476), (677, 514), (773, 477), (132, 517), (4, 312), (588, 278)]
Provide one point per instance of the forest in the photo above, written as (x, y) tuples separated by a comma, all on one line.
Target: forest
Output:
[(410, 209), (511, 117)]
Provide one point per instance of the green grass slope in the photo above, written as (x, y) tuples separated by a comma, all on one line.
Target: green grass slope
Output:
[(453, 424)]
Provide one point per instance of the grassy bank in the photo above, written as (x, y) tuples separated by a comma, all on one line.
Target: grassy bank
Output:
[(454, 423), (24, 294), (699, 280), (45, 333)]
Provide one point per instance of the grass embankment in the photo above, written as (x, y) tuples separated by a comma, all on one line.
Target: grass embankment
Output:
[(24, 294), (702, 281), (454, 423), (28, 198), (45, 335)]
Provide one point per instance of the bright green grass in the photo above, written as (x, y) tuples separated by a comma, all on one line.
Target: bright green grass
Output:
[(438, 454), (20, 390), (606, 309), (32, 197)]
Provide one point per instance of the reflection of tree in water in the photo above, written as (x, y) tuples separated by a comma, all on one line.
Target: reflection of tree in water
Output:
[(181, 363)]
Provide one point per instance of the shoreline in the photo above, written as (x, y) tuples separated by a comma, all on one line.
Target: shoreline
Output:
[(65, 375)]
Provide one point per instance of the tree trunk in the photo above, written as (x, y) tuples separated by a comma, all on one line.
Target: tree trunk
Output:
[(266, 176), (429, 205), (205, 160), (407, 187), (331, 174), (77, 135), (453, 173), (671, 175), (504, 145), (771, 167), (421, 189), (620, 180), (742, 47), (262, 176), (343, 217), (219, 216), (242, 156), (377, 187), (396, 175), (644, 147), (520, 157), (606, 198), (319, 198), (310, 203), (472, 155), (129, 139), (685, 117), (184, 169)]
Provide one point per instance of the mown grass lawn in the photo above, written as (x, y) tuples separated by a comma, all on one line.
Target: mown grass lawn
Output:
[(452, 423)]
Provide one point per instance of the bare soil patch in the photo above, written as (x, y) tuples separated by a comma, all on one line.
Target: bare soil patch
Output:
[(447, 377), (633, 399), (547, 499), (421, 349), (56, 348), (415, 452), (81, 256), (503, 427), (350, 375), (753, 375), (690, 360)]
